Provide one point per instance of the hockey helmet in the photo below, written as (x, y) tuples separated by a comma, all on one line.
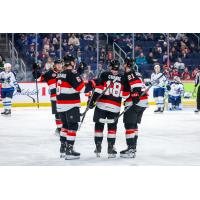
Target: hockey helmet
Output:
[(114, 64), (129, 61), (7, 66), (58, 61), (177, 79)]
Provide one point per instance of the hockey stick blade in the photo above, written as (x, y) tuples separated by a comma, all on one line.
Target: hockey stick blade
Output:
[(106, 121)]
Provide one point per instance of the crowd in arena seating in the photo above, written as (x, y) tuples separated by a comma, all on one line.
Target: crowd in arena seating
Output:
[(149, 49)]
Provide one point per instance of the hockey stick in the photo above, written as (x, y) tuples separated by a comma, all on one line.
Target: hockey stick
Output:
[(33, 99), (87, 108), (111, 121), (36, 84)]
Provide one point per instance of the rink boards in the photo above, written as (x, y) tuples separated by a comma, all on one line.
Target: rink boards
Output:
[(28, 97)]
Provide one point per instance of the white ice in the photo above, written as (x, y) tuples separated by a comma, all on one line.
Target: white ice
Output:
[(27, 138)]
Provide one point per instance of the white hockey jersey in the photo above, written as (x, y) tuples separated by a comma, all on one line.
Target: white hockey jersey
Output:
[(176, 89), (157, 83), (8, 80)]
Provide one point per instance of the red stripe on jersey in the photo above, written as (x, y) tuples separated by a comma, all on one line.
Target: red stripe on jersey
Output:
[(80, 87), (71, 133), (130, 131), (98, 131), (53, 95), (111, 131), (125, 93), (135, 82), (110, 102), (58, 122), (143, 97), (67, 101), (64, 130), (51, 81), (65, 84)]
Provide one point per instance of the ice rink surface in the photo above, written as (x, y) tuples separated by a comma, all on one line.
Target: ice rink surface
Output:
[(27, 138)]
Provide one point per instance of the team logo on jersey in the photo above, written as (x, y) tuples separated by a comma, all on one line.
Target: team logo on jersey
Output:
[(54, 75)]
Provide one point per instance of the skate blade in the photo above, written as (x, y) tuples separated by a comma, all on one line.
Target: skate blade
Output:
[(127, 155), (67, 157), (112, 155), (62, 155), (98, 155)]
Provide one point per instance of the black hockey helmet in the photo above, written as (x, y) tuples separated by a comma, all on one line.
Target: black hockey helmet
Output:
[(68, 60), (129, 62), (114, 64), (58, 61)]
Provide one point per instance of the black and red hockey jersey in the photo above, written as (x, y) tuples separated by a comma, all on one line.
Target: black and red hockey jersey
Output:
[(50, 78), (69, 86), (136, 84), (111, 100)]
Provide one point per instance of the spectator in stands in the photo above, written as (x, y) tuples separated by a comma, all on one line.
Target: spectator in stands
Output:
[(98, 71), (150, 58), (141, 59), (165, 57), (79, 56), (194, 73), (109, 55), (102, 56), (73, 40), (88, 73), (2, 61), (179, 65), (138, 50), (49, 64), (174, 73), (185, 75), (88, 36)]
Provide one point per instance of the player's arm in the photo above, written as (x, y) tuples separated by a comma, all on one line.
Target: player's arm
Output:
[(76, 82), (15, 83), (197, 80)]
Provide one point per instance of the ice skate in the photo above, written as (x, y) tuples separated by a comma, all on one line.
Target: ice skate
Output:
[(70, 153), (97, 151), (130, 152), (62, 150), (111, 151)]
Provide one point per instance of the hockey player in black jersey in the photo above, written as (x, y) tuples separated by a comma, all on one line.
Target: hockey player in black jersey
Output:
[(107, 98), (69, 87), (50, 78), (133, 116)]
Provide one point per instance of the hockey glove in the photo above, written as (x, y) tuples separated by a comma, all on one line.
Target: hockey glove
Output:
[(19, 89)]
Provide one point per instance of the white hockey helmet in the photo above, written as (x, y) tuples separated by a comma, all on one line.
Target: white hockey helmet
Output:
[(157, 68), (7, 66), (177, 79)]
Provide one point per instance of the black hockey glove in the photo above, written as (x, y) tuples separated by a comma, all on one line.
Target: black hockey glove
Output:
[(19, 89), (2, 80), (168, 87), (92, 102), (135, 97)]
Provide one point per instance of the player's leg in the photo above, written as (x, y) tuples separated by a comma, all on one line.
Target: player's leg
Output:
[(131, 121), (63, 134), (170, 102), (155, 96), (198, 100), (111, 136), (7, 101), (98, 130), (161, 94), (57, 118), (3, 96), (178, 103), (73, 117)]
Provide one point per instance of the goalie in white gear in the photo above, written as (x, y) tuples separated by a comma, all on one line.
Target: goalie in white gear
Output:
[(9, 84), (159, 88), (176, 91)]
